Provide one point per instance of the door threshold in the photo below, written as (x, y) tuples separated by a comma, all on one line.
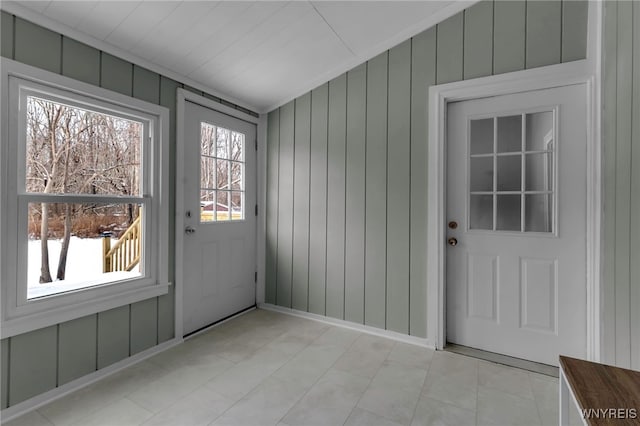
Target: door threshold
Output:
[(510, 361)]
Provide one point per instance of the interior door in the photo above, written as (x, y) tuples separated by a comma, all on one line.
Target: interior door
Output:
[(516, 201), (220, 225)]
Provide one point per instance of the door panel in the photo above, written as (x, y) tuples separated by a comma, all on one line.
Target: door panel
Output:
[(220, 226), (516, 187)]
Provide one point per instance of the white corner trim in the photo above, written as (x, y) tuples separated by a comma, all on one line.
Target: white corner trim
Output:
[(17, 9), (38, 401), (578, 72), (404, 338), (426, 23), (261, 220)]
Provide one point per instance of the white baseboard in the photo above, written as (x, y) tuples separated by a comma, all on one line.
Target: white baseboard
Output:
[(38, 401), (418, 341)]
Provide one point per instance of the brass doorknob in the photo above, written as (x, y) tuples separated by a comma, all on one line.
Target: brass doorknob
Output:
[(452, 242)]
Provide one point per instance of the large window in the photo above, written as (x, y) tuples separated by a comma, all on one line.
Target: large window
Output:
[(84, 220)]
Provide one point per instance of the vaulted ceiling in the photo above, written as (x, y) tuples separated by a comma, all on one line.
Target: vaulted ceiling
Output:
[(258, 53)]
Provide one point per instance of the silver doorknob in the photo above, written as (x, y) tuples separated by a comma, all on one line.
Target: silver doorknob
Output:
[(189, 230), (452, 242)]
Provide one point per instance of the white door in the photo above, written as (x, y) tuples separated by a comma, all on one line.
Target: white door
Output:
[(516, 202), (220, 225)]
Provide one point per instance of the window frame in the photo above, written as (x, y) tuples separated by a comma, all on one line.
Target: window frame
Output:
[(19, 314)]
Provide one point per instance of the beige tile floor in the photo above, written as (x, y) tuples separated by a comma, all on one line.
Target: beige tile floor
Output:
[(266, 368)]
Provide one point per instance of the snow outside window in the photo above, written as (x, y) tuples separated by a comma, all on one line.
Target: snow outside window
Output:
[(84, 220)]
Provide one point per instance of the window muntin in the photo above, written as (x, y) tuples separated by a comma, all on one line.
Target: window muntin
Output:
[(511, 173), (222, 174)]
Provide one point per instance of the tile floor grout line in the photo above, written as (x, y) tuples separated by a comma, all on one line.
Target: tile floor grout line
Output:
[(325, 372)]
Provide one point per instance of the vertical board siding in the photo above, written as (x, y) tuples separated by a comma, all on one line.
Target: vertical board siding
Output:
[(143, 325), (80, 61), (336, 147), (610, 62), (34, 363), (509, 36), (77, 342), (367, 162), (80, 347), (623, 181), (621, 140), (37, 46), (271, 249), (423, 75), (398, 187), (6, 35), (4, 373), (450, 49), (634, 299), (300, 290), (146, 85), (113, 335), (575, 16), (116, 74), (355, 195), (285, 205), (544, 24), (376, 194), (478, 40), (318, 200)]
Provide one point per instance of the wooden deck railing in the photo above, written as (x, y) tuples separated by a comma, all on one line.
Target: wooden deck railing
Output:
[(125, 253)]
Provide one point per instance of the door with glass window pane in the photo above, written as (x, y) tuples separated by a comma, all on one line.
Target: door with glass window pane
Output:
[(220, 226), (516, 224)]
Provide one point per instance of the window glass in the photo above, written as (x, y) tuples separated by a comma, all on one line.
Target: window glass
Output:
[(72, 150), (222, 181), (498, 187)]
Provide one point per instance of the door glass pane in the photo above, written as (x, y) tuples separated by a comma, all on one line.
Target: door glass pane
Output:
[(236, 205), (222, 207), (207, 206), (539, 172), (482, 136), (538, 212), (510, 133), (208, 139), (237, 143), (222, 170), (207, 172), (481, 212), (237, 175), (539, 131), (481, 176), (508, 213), (223, 137), (509, 173)]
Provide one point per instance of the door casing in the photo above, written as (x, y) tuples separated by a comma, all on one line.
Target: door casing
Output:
[(578, 72), (181, 98)]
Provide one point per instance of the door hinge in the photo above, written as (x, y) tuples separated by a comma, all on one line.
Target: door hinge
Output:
[(256, 144), (255, 277), (256, 210)]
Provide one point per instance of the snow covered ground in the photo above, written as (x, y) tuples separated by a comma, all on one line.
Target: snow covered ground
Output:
[(84, 267)]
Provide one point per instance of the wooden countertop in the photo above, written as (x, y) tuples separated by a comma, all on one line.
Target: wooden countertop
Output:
[(604, 387)]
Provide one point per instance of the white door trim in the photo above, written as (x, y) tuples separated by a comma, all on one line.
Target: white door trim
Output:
[(585, 72), (182, 97)]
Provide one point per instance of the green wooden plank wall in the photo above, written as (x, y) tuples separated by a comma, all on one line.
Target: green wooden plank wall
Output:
[(367, 202), (621, 139), (70, 350)]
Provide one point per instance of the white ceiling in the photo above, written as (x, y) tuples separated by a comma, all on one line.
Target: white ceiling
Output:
[(257, 53)]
